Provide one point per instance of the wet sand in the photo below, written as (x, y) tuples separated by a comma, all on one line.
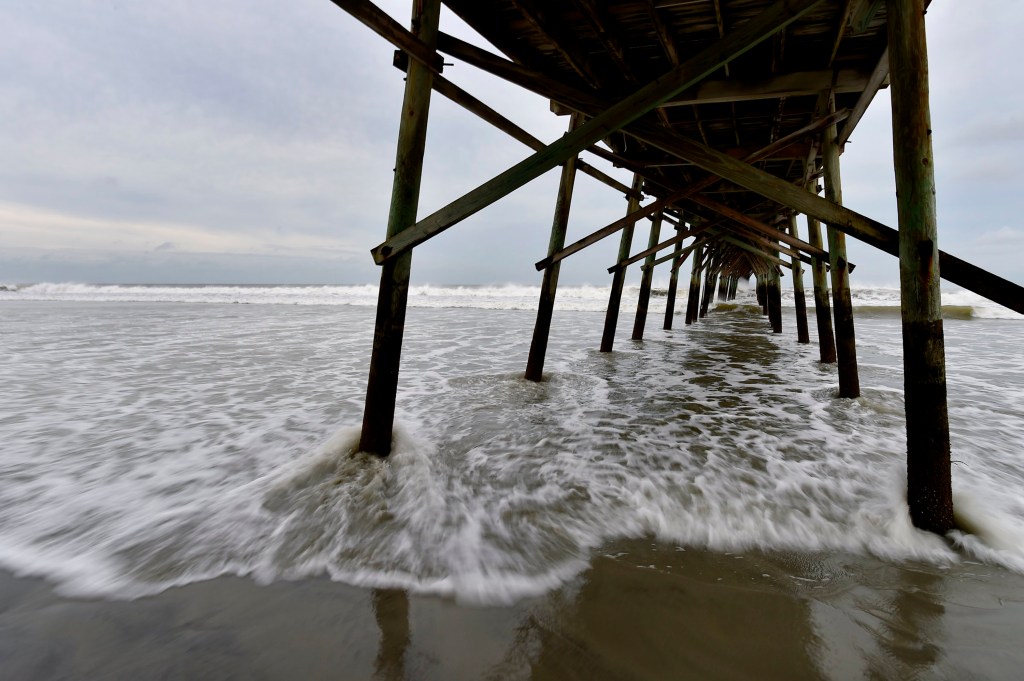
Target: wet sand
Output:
[(642, 610)]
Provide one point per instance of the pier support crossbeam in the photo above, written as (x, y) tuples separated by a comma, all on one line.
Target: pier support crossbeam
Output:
[(929, 487)]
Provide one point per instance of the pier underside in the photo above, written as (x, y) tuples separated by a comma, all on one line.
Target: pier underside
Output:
[(732, 116)]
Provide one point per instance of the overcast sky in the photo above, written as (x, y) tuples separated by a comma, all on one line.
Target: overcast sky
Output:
[(189, 141)]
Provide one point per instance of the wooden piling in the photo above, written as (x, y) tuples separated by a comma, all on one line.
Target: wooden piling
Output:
[(733, 285), (385, 359), (799, 298), (673, 284), (549, 283), (842, 302), (611, 318), (774, 299), (693, 300), (822, 309), (645, 281), (709, 286), (762, 293), (929, 487)]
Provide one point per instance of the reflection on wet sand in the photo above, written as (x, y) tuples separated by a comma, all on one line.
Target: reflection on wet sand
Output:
[(642, 610), (653, 612), (391, 610), (892, 629), (909, 630)]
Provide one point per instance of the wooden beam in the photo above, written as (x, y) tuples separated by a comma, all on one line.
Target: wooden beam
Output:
[(800, 84), (661, 204), (955, 270), (703, 240), (596, 16), (665, 37), (791, 151), (756, 250), (822, 306), (759, 240), (709, 281), (862, 13), (564, 42), (456, 94), (756, 225), (844, 21), (929, 484), (673, 285), (611, 318), (681, 236), (872, 232), (770, 186), (644, 299), (720, 22), (685, 252), (549, 282), (842, 299), (647, 253), (876, 81), (621, 223), (524, 77), (678, 262), (393, 292), (600, 126), (774, 295), (392, 31), (693, 299), (799, 296)]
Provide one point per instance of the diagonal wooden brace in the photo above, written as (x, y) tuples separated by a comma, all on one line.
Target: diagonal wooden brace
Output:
[(599, 127)]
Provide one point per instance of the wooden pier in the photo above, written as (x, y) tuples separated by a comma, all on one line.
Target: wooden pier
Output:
[(732, 116)]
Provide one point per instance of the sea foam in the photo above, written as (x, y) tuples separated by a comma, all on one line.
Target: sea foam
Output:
[(150, 445)]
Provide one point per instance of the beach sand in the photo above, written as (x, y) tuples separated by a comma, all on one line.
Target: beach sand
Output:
[(642, 610)]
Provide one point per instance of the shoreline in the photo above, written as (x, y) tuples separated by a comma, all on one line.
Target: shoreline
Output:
[(642, 609)]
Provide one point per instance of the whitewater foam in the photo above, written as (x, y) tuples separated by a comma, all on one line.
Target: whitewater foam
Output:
[(958, 304), (197, 440)]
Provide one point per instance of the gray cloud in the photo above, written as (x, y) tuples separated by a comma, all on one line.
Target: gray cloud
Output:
[(258, 139)]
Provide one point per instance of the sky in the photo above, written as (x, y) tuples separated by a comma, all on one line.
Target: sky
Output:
[(253, 142)]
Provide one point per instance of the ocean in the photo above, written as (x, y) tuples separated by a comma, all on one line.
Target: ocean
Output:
[(155, 438)]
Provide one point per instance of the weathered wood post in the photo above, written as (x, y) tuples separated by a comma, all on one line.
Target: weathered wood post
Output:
[(929, 486), (673, 284), (733, 285), (774, 296), (693, 300), (549, 283), (799, 298), (822, 309), (842, 302), (709, 286), (762, 292), (382, 385), (611, 318), (723, 288), (645, 281)]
